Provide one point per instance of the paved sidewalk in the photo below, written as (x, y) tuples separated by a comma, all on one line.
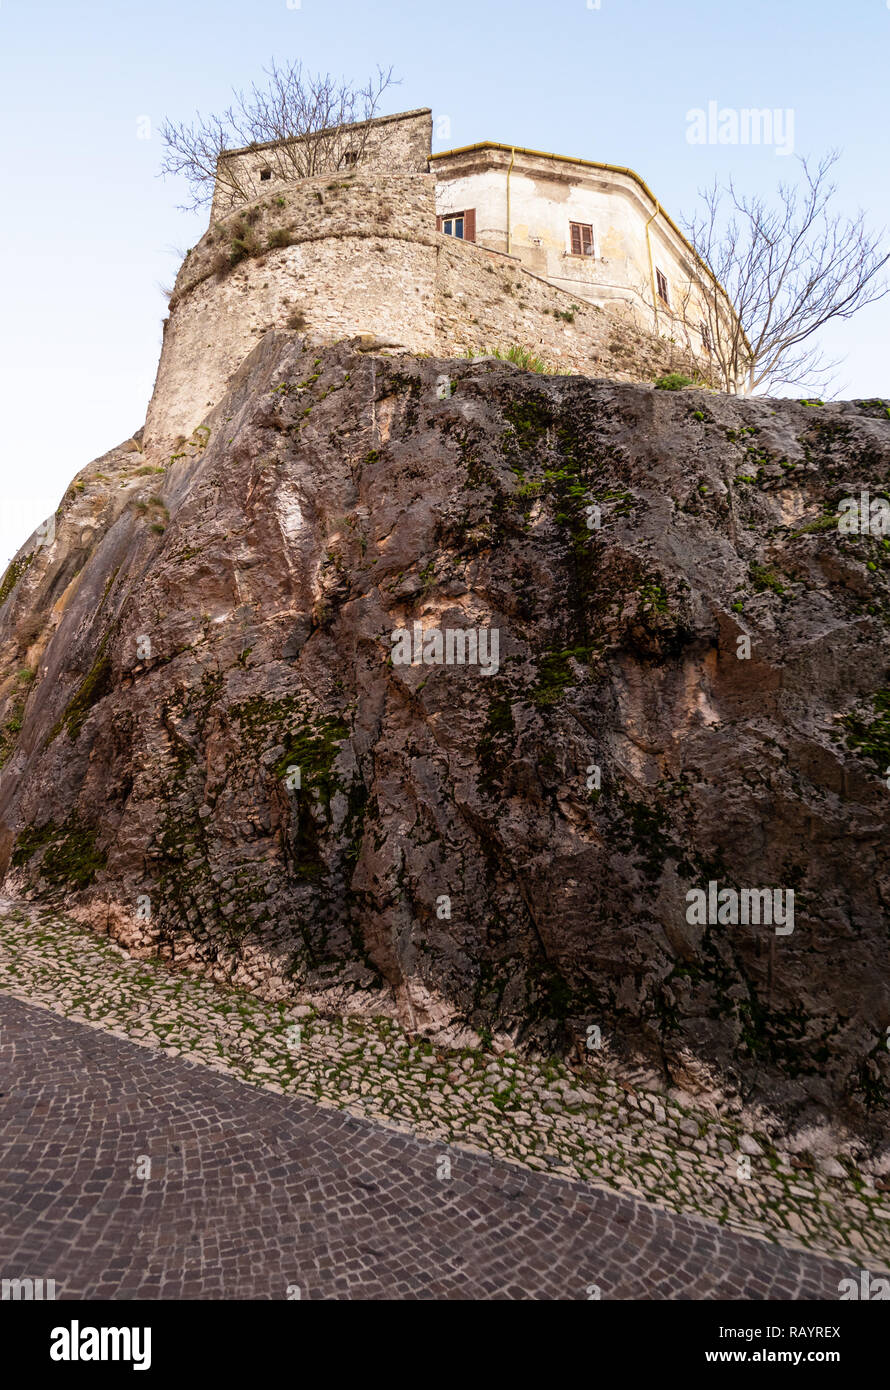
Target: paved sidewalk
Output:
[(255, 1195), (599, 1125)]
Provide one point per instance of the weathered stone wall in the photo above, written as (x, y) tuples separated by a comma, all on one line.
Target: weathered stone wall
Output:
[(392, 144), (355, 254), (359, 257), (545, 196), (547, 193), (485, 300)]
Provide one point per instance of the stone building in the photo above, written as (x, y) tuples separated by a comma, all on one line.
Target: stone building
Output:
[(594, 230), (482, 249), (399, 144)]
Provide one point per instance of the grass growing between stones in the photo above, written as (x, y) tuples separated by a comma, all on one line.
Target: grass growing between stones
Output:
[(540, 1114)]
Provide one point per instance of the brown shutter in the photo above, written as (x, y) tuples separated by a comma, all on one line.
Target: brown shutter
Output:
[(587, 239), (439, 221), (470, 224), (576, 238)]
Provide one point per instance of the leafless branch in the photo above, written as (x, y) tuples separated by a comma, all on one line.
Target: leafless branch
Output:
[(312, 118), (789, 266)]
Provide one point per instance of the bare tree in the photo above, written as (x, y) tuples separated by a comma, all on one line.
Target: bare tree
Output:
[(788, 267), (312, 122)]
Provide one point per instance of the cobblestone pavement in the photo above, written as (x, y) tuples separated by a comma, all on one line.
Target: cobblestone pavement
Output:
[(256, 1195), (531, 1119)]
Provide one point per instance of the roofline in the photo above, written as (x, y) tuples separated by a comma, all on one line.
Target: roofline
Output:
[(594, 164), (292, 139)]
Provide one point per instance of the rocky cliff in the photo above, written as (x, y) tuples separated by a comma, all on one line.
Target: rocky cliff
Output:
[(212, 750)]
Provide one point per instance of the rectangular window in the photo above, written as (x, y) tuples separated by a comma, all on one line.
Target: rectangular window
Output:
[(706, 337), (582, 238), (661, 282), (458, 224), (350, 159), (265, 174)]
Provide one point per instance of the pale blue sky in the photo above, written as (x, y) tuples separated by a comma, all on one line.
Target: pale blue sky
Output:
[(90, 232)]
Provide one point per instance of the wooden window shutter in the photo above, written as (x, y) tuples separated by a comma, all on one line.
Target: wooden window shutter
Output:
[(470, 224), (439, 221), (581, 234)]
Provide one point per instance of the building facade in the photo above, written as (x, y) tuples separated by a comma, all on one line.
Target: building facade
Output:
[(463, 253), (594, 230)]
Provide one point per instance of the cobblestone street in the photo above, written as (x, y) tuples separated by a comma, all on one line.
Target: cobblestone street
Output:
[(344, 1157), (253, 1195)]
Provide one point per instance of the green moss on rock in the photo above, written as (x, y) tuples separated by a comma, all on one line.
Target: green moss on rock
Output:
[(94, 687), (531, 418), (555, 675), (313, 749), (871, 738), (13, 574), (70, 857)]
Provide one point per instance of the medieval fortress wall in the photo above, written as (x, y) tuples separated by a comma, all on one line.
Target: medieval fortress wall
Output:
[(394, 144), (356, 252), (359, 258)]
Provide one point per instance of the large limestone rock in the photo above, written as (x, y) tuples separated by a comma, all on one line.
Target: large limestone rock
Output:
[(194, 634)]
